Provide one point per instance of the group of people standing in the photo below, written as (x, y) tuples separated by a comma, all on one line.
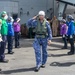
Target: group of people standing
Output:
[(8, 29), (43, 35), (67, 32), (66, 28)]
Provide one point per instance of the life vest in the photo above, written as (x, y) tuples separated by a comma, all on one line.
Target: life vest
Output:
[(41, 29)]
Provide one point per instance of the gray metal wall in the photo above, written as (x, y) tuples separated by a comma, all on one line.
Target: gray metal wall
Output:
[(32, 7)]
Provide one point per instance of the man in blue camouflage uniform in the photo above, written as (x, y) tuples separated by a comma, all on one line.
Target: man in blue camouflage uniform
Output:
[(42, 38)]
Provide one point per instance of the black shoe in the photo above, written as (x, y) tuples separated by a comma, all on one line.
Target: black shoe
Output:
[(15, 47), (70, 53), (18, 47), (10, 52), (4, 61), (0, 69), (64, 48), (42, 66), (37, 69)]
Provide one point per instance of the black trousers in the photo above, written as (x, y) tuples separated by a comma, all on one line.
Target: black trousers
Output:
[(2, 50), (4, 38), (10, 43), (17, 38), (71, 41), (65, 41)]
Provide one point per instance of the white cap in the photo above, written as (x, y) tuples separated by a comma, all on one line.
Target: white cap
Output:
[(41, 13)]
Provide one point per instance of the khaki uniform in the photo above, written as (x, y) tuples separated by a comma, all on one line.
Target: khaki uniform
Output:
[(55, 27)]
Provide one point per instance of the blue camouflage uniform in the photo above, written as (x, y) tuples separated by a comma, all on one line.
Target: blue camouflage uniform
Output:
[(41, 55)]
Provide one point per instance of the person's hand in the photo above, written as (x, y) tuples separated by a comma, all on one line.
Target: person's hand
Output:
[(63, 36), (49, 42), (34, 17), (0, 39), (71, 36), (19, 33), (18, 20)]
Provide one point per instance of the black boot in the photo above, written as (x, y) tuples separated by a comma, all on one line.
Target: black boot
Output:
[(70, 53), (37, 69), (10, 52), (64, 47), (4, 61), (0, 69), (42, 66)]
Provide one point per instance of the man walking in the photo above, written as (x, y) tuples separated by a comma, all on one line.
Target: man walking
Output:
[(42, 38)]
